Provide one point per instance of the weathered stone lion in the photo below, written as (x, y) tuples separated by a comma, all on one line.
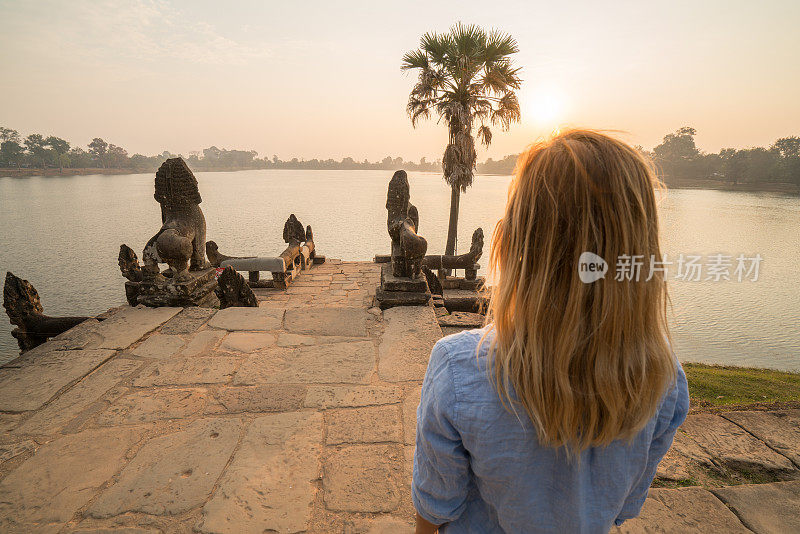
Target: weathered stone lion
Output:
[(181, 241)]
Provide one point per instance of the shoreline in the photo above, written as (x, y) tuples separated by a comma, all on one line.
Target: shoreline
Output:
[(769, 187)]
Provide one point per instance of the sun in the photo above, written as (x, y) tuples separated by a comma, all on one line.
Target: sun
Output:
[(545, 106)]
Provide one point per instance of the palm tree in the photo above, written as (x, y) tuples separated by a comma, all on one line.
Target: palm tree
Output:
[(464, 75)]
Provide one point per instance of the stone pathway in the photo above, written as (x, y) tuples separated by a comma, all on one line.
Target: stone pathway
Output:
[(297, 416)]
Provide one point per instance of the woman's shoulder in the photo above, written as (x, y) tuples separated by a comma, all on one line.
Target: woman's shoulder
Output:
[(465, 344), (464, 354)]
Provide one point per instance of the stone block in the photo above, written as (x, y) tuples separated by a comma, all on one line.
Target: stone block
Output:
[(363, 478), (685, 510), (269, 485), (264, 398), (286, 339), (79, 397), (144, 406), (34, 382), (389, 525), (45, 491), (371, 424), (462, 320), (247, 341), (235, 318), (780, 430), (390, 299), (273, 264), (734, 447), (128, 325), (198, 290), (324, 397), (172, 474), (188, 321), (187, 371), (347, 322), (159, 346), (410, 405), (115, 530), (765, 508), (203, 343), (408, 337), (334, 363), (389, 282)]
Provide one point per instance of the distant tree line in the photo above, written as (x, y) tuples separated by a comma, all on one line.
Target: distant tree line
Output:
[(39, 152), (677, 158)]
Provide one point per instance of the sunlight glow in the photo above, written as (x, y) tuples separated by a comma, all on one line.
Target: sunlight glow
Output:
[(545, 106)]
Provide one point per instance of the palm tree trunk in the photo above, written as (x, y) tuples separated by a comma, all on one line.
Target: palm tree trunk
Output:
[(452, 229)]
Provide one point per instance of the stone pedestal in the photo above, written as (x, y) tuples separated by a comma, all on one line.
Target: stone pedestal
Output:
[(401, 291), (197, 291)]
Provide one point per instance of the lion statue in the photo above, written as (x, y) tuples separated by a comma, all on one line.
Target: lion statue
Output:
[(181, 241)]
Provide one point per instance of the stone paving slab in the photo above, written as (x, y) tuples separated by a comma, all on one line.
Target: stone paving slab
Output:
[(203, 343), (333, 363), (188, 371), (363, 478), (122, 530), (263, 398), (765, 508), (287, 339), (676, 463), (172, 473), (48, 488), (247, 341), (188, 321), (732, 446), (128, 325), (79, 397), (159, 346), (269, 485), (780, 430), (370, 424), (685, 510), (248, 319), (142, 406), (351, 396), (30, 386), (408, 337), (347, 322), (410, 405)]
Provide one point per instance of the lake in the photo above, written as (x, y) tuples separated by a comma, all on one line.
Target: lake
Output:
[(63, 235)]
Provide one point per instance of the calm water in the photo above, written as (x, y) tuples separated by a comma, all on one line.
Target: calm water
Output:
[(63, 235)]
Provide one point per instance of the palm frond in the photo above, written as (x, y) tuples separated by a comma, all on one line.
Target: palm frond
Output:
[(419, 108), (501, 77), (416, 59), (485, 135), (437, 47), (499, 45), (507, 111)]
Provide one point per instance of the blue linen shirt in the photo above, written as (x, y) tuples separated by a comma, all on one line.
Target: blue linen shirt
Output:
[(478, 468)]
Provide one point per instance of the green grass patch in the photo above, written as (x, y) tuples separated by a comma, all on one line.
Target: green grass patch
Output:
[(682, 483), (717, 385)]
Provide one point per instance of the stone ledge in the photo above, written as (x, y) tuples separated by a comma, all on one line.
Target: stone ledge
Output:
[(765, 508)]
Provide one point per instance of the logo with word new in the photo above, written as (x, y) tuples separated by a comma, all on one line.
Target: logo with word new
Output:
[(591, 267)]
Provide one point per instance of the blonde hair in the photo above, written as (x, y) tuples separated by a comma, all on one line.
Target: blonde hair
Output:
[(589, 362)]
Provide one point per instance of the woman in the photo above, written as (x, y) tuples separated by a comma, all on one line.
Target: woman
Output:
[(554, 416)]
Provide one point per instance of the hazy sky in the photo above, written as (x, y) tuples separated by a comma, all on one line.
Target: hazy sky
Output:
[(322, 79)]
